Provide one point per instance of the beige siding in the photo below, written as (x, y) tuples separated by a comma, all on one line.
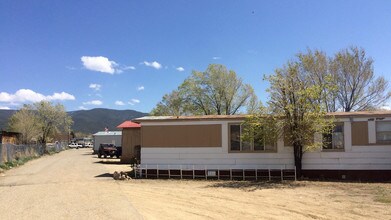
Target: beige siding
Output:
[(130, 139), (362, 155), (360, 133), (181, 136)]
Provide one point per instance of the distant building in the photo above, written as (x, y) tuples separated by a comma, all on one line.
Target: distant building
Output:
[(9, 137), (131, 142), (111, 137)]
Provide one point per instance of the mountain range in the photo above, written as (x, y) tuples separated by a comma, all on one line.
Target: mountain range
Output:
[(88, 121)]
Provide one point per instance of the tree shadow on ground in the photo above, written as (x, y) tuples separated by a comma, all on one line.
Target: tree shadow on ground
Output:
[(256, 185), (110, 162), (104, 175), (88, 153)]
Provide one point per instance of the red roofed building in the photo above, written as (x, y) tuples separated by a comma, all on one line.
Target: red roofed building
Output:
[(131, 141), (129, 124)]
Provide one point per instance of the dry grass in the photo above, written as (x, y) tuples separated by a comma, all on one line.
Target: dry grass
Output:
[(175, 199)]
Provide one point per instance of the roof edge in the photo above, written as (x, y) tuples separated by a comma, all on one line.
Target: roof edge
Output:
[(242, 117)]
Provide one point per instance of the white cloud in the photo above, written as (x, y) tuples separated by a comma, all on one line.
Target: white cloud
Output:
[(93, 102), (95, 86), (60, 96), (216, 58), (140, 88), (133, 101), (28, 95), (82, 108), (4, 108), (153, 64), (129, 68), (119, 103), (180, 69), (100, 64)]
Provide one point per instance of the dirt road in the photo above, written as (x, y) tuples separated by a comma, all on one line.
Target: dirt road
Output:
[(76, 185), (70, 185)]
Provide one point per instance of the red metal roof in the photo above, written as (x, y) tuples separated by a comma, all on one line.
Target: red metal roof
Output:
[(129, 124)]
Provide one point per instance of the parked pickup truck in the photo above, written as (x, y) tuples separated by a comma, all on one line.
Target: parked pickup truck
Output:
[(75, 145), (109, 150)]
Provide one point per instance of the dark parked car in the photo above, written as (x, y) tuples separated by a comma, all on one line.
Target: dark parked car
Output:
[(109, 150)]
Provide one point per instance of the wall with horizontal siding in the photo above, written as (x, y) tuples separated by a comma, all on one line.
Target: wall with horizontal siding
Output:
[(353, 157), (361, 151), (214, 157)]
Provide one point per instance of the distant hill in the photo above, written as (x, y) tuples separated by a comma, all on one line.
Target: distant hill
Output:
[(88, 121), (94, 120), (4, 116)]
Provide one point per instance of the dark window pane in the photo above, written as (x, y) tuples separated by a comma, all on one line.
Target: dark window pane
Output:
[(327, 141), (235, 137), (246, 146), (338, 140), (334, 140), (270, 147), (383, 136), (338, 128), (258, 142)]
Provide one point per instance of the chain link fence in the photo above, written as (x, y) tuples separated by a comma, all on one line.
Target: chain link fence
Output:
[(11, 152)]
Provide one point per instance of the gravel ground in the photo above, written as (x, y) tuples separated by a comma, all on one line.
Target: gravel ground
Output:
[(188, 199), (72, 184), (77, 185)]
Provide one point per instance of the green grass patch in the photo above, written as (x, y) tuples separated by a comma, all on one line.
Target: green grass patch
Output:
[(16, 163)]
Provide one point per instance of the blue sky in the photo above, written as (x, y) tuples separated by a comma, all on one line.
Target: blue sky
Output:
[(128, 54)]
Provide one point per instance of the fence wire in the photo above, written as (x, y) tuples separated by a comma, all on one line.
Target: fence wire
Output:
[(11, 152)]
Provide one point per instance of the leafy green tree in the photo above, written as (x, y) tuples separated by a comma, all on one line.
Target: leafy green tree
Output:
[(358, 87), (316, 66), (305, 89), (291, 111), (25, 122), (45, 118), (217, 91), (354, 87), (51, 118), (171, 104)]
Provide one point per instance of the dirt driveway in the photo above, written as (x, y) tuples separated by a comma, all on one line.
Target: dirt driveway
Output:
[(70, 185), (176, 199), (77, 185)]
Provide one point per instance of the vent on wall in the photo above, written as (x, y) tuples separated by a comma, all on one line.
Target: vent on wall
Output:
[(212, 173)]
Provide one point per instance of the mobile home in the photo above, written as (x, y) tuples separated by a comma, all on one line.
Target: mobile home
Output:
[(360, 146)]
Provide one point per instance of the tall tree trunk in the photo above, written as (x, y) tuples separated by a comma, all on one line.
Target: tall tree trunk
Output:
[(298, 154)]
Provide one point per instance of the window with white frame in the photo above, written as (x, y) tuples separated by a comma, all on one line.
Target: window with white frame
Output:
[(335, 139), (255, 144), (383, 131)]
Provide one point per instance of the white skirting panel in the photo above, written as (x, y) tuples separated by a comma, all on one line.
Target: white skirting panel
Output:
[(380, 159)]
